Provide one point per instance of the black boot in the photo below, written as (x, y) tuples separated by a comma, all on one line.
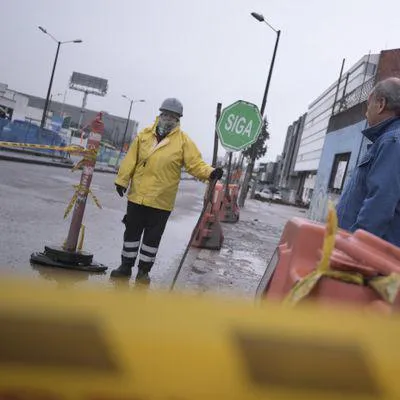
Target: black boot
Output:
[(123, 271), (143, 277)]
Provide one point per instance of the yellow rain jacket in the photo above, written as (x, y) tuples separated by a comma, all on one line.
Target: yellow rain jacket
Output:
[(153, 170)]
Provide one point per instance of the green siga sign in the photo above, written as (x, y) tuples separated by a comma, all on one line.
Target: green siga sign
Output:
[(239, 125)]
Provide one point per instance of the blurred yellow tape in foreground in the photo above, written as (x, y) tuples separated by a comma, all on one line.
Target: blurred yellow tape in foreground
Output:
[(65, 344)]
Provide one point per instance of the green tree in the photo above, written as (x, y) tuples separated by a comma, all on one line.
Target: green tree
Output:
[(260, 144)]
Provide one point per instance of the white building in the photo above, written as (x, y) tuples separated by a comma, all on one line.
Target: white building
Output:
[(16, 106), (13, 104), (318, 115), (25, 107)]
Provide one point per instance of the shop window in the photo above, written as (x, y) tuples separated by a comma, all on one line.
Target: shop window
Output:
[(338, 174)]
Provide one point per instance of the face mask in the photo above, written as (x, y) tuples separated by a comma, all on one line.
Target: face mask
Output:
[(166, 124)]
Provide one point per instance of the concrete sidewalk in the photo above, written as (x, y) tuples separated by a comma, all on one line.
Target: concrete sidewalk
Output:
[(249, 244), (46, 159)]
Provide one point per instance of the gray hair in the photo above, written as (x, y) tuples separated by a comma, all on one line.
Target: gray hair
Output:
[(389, 89)]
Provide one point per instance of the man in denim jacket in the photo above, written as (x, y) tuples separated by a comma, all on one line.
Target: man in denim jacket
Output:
[(371, 200)]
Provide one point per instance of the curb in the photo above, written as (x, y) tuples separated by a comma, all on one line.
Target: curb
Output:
[(31, 153), (48, 163)]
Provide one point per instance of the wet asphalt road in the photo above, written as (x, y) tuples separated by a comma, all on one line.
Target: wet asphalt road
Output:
[(32, 203)]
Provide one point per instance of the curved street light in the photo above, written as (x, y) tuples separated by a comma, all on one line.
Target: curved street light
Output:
[(260, 18), (59, 43), (249, 172), (132, 101)]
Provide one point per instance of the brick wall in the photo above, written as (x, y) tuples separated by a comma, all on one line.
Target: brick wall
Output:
[(389, 65)]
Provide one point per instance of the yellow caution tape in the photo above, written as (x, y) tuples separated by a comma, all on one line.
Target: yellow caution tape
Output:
[(386, 286), (95, 199), (89, 155), (82, 238), (73, 149), (79, 189), (71, 203), (65, 343), (78, 165)]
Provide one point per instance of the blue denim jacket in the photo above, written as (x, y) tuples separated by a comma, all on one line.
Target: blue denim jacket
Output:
[(371, 200)]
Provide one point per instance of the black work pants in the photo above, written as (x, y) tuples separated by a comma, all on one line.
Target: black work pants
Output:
[(147, 222)]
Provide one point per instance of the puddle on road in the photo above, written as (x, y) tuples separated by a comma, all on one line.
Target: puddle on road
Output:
[(170, 253), (61, 277)]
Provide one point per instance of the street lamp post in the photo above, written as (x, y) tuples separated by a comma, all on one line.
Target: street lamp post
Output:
[(46, 104), (260, 18), (250, 167), (127, 121)]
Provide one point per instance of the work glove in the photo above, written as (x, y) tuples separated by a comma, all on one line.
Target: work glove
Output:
[(120, 190), (216, 174)]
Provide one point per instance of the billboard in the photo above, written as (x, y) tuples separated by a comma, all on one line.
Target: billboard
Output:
[(89, 84)]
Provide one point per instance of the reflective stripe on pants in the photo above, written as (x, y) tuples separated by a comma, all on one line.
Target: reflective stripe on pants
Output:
[(147, 222)]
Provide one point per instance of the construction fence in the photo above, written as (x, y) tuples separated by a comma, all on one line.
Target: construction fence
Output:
[(27, 132)]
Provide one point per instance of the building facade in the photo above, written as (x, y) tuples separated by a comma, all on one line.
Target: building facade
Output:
[(331, 101), (343, 148), (114, 126), (13, 105), (289, 181), (344, 143)]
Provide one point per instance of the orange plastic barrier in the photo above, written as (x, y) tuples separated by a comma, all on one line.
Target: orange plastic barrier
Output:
[(209, 234), (230, 211), (299, 251), (236, 175)]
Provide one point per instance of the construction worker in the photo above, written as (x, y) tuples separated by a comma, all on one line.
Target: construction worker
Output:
[(152, 170)]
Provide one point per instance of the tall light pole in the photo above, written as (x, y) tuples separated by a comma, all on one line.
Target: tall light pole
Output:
[(250, 167), (46, 104), (127, 121)]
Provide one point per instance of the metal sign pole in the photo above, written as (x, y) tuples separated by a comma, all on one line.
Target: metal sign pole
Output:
[(228, 176), (215, 153)]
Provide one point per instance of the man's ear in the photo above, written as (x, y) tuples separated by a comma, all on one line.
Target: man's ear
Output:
[(381, 105)]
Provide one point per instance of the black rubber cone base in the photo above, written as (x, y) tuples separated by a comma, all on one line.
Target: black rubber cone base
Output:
[(57, 253), (48, 261)]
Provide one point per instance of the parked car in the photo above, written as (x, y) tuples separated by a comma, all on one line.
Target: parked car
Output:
[(264, 194), (277, 196)]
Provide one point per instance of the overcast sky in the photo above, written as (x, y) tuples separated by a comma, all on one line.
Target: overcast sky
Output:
[(202, 52)]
